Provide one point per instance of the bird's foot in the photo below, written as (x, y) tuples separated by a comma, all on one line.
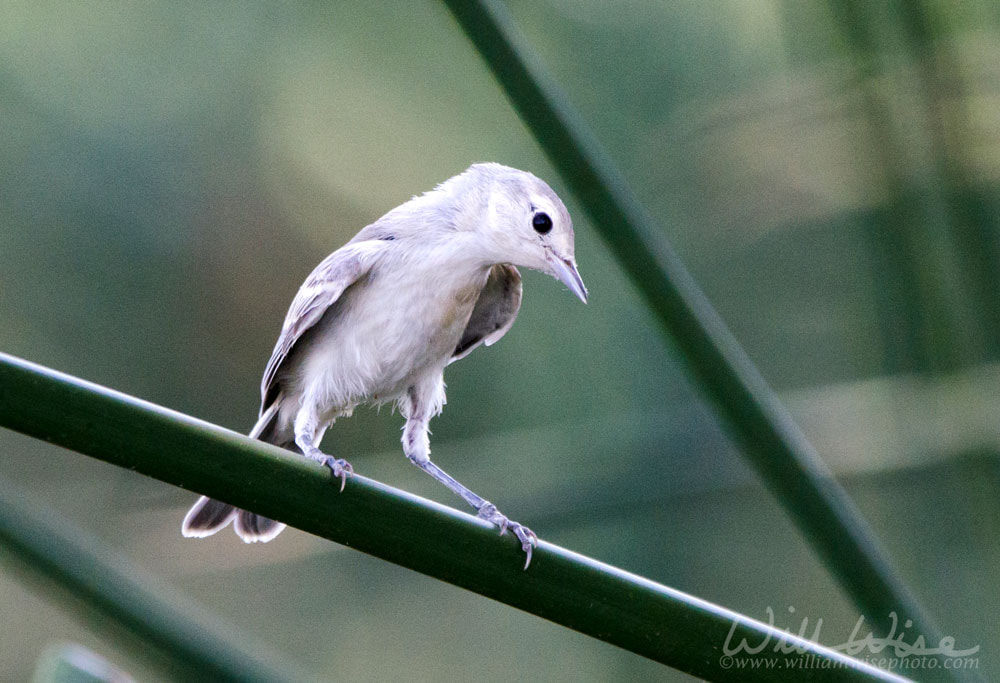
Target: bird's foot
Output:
[(526, 536), (340, 467)]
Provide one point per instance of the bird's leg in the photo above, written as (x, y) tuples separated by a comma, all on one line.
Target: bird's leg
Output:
[(308, 434), (416, 446)]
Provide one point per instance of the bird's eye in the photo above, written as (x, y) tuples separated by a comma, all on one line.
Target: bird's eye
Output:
[(541, 223)]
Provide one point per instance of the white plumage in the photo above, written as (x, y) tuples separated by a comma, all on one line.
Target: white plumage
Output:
[(378, 320)]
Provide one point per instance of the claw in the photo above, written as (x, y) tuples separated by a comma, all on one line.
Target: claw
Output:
[(340, 468), (528, 540), (526, 536)]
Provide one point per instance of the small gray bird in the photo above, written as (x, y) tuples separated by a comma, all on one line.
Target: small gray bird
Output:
[(378, 320)]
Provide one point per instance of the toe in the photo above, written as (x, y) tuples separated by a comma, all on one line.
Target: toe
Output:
[(339, 468)]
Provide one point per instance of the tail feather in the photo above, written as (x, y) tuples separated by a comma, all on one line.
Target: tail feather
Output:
[(209, 516), (253, 528), (206, 517)]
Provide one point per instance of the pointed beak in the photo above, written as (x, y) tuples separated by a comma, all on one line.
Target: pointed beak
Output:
[(565, 271)]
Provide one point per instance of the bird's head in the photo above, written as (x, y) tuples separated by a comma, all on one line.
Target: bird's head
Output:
[(526, 224)]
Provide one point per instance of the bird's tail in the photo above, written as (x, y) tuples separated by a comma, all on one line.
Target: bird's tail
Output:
[(208, 516)]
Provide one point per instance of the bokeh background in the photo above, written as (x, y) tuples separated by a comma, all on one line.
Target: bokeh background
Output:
[(829, 171)]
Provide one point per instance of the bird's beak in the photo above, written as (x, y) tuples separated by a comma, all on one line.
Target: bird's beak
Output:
[(565, 271)]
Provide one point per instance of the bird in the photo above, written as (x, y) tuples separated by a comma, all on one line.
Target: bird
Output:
[(379, 320)]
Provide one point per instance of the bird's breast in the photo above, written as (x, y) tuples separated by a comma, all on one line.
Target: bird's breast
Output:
[(389, 331)]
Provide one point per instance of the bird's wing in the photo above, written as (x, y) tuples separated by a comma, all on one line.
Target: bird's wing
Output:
[(322, 288), (494, 311)]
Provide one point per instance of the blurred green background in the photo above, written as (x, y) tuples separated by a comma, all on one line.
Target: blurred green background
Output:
[(829, 171)]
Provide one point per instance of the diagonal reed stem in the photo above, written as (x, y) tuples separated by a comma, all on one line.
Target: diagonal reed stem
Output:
[(769, 438), (567, 588), (98, 579)]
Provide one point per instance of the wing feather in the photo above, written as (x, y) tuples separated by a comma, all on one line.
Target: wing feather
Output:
[(494, 312), (322, 288)]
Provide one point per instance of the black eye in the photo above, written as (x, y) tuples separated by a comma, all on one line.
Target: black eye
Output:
[(542, 223)]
